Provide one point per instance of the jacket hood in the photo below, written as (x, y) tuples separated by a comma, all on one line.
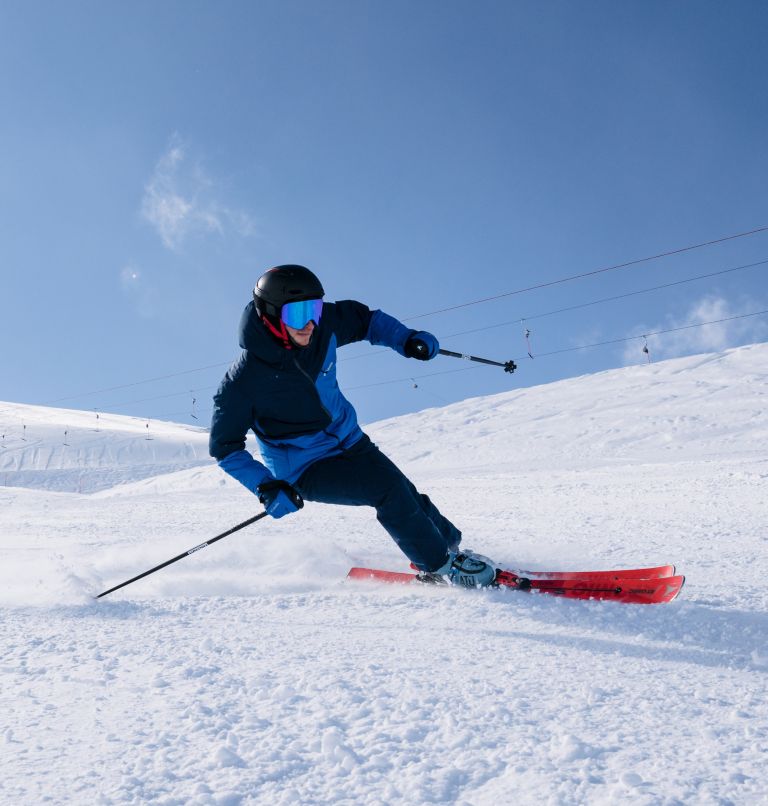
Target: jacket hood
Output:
[(256, 339)]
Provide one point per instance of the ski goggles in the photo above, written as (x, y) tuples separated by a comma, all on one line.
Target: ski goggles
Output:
[(297, 314)]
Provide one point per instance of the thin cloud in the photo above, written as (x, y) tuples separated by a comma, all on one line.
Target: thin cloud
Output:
[(180, 202), (708, 338)]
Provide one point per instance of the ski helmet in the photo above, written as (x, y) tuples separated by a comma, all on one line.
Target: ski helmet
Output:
[(278, 286)]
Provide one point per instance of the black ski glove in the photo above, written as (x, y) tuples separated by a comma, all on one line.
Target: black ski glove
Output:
[(421, 345), (279, 498)]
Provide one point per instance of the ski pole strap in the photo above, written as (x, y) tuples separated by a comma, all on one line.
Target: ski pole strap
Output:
[(186, 553), (509, 366)]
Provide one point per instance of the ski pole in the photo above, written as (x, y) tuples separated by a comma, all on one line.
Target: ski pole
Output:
[(186, 553), (509, 366)]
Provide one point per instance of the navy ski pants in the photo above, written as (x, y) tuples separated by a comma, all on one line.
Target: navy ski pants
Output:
[(363, 476)]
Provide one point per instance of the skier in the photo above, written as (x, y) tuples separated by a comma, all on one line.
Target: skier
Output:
[(283, 387)]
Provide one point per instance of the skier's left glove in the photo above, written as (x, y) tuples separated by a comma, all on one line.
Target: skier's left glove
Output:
[(421, 345), (279, 498)]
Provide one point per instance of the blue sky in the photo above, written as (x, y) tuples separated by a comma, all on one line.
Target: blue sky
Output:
[(156, 157)]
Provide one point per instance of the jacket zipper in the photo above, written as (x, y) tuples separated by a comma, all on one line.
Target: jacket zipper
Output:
[(319, 399)]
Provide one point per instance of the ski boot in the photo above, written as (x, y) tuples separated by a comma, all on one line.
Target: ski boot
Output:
[(463, 568)]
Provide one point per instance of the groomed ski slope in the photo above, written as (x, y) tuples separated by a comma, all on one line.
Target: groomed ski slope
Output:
[(251, 672), (85, 451)]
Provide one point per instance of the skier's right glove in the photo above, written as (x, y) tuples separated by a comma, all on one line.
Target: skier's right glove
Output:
[(279, 498)]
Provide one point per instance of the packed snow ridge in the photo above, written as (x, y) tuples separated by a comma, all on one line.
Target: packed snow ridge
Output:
[(78, 451), (252, 672)]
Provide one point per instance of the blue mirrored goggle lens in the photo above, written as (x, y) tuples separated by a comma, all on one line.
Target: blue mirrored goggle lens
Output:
[(297, 314)]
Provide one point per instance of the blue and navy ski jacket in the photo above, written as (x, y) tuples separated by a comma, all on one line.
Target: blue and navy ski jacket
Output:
[(290, 398)]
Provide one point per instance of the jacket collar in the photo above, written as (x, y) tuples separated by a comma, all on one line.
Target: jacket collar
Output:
[(260, 343), (256, 339)]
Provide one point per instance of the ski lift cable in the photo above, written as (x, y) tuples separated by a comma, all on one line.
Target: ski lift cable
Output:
[(592, 273), (411, 379), (462, 305), (607, 299), (653, 333), (569, 308)]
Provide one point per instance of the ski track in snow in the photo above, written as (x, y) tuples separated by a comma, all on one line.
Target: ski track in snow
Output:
[(252, 672)]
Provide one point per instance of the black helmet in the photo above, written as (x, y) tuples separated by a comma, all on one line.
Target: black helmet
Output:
[(288, 283)]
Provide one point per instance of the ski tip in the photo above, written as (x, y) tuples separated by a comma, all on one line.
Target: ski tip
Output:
[(377, 575)]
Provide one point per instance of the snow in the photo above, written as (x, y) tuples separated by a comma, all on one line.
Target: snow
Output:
[(252, 672), (78, 451)]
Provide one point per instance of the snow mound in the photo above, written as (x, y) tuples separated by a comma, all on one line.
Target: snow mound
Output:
[(699, 407), (77, 451)]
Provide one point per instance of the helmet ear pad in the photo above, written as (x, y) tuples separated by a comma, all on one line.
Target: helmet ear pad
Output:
[(267, 309)]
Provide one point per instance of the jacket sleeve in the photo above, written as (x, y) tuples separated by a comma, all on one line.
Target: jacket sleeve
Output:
[(229, 428), (242, 466), (385, 329), (351, 322)]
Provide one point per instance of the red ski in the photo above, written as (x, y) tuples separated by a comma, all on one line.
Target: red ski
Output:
[(627, 590), (622, 589), (656, 572)]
